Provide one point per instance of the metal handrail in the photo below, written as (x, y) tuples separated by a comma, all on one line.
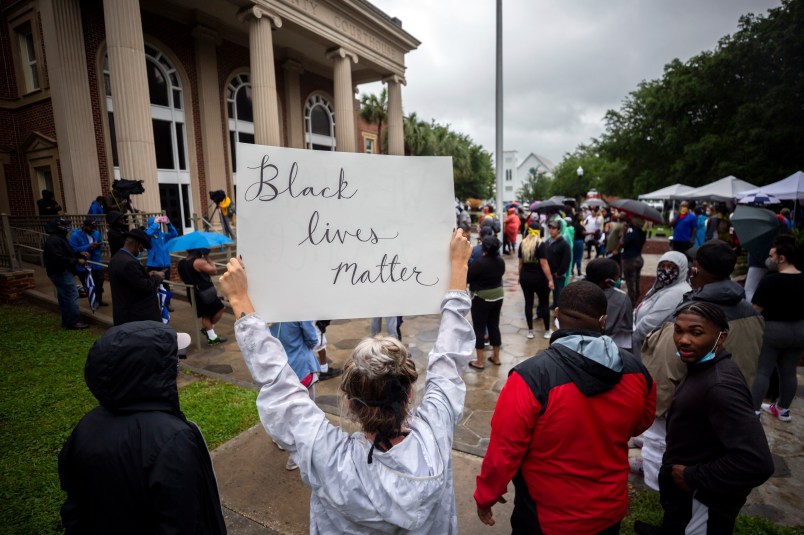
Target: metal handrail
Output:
[(193, 304)]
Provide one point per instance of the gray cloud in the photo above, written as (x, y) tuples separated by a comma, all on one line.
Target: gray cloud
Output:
[(564, 63)]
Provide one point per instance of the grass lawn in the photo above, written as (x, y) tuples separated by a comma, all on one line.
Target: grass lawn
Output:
[(43, 396)]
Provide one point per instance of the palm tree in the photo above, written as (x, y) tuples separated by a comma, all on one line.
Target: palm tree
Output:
[(374, 110)]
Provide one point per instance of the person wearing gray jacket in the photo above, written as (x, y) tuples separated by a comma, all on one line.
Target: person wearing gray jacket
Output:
[(662, 299), (395, 474)]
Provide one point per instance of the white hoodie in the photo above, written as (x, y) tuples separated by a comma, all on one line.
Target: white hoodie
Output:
[(407, 489)]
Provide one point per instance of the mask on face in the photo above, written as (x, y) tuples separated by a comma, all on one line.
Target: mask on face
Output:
[(708, 356), (615, 283), (666, 276), (771, 264)]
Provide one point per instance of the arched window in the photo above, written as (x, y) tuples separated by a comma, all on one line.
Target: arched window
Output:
[(319, 124), (170, 140), (240, 111)]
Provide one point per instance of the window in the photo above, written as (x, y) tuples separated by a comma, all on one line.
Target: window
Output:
[(319, 124), (44, 177), (170, 137), (27, 57), (240, 109), (369, 143), (509, 175)]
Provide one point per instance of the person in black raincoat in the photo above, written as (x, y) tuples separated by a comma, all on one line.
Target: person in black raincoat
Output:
[(135, 464)]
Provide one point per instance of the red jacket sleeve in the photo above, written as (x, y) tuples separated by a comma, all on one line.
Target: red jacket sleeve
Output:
[(512, 427)]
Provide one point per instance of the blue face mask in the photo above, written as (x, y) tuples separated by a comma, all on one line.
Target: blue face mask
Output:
[(616, 283), (708, 356)]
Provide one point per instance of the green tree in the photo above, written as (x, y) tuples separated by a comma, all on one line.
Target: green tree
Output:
[(472, 168), (374, 110), (536, 186), (735, 110)]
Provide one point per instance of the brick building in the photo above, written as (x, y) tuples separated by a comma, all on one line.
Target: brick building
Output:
[(160, 90)]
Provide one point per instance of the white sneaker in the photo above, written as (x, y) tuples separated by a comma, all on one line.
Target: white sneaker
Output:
[(277, 445), (291, 465), (530, 335), (782, 414), (548, 334)]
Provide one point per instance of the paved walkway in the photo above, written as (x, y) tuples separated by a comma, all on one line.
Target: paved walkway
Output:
[(260, 497)]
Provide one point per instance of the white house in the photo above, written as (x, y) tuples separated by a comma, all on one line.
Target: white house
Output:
[(516, 171)]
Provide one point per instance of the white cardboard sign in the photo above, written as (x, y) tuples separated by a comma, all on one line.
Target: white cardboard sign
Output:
[(332, 235)]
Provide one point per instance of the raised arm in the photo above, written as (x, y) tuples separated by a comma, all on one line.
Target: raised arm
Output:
[(442, 404)]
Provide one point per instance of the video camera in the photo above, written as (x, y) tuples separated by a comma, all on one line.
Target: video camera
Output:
[(217, 196), (125, 187)]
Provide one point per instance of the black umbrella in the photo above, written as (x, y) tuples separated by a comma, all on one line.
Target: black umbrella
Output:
[(754, 226), (638, 209), (549, 204)]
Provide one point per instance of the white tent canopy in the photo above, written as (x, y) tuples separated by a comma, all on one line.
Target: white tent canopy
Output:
[(723, 190), (667, 193), (790, 188)]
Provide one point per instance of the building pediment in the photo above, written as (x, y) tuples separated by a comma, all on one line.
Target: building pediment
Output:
[(37, 141)]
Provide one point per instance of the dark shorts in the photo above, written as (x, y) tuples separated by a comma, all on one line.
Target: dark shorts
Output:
[(207, 311)]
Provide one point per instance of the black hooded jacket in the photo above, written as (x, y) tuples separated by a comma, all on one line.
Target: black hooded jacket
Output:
[(135, 464), (57, 253)]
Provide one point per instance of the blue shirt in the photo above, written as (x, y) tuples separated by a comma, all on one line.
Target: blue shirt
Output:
[(80, 241), (298, 338), (158, 255), (682, 230)]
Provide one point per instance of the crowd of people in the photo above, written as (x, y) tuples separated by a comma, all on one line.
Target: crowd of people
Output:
[(683, 372)]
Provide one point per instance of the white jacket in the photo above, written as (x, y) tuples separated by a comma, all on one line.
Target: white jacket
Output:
[(656, 308), (410, 487)]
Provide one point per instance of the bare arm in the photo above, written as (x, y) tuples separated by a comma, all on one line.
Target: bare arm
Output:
[(205, 265)]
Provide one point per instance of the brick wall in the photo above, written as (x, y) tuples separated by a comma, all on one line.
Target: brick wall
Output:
[(13, 284), (95, 34)]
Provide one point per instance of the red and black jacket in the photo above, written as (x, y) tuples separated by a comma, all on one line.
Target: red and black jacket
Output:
[(560, 430)]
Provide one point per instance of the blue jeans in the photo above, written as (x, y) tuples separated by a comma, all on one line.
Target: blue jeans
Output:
[(577, 255), (67, 294), (391, 324)]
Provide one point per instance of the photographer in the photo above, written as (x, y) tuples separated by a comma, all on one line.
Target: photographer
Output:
[(161, 231)]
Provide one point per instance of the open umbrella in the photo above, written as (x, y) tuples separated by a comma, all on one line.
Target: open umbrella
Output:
[(638, 209), (754, 225), (759, 197), (594, 202), (197, 240), (549, 204)]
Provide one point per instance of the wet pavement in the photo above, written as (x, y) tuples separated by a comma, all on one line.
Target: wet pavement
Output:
[(260, 496)]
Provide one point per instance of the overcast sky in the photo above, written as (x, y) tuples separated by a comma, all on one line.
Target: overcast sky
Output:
[(564, 62)]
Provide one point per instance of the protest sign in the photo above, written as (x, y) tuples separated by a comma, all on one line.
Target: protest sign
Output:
[(331, 235)]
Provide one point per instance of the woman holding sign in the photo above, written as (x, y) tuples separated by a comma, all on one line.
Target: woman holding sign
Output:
[(396, 473)]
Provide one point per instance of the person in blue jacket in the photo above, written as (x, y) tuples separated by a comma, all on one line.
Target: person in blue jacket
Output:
[(98, 208), (161, 231), (88, 243)]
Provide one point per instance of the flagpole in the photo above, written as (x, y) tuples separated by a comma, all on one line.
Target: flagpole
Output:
[(499, 114)]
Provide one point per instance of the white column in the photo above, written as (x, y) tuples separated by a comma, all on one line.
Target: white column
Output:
[(345, 140), (396, 134), (132, 104), (263, 77), (72, 109), (293, 104), (209, 99)]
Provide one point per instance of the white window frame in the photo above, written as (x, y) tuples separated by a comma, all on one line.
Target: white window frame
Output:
[(310, 139), (239, 82)]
